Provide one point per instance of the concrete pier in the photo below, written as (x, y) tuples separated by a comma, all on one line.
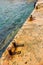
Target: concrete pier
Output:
[(31, 35)]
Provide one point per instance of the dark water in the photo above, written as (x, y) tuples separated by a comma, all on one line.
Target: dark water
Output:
[(12, 16)]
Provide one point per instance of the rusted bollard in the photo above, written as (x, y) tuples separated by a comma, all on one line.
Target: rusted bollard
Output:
[(17, 45), (13, 53), (31, 18), (12, 50), (36, 7)]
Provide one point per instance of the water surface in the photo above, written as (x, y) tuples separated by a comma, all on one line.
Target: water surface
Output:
[(13, 14)]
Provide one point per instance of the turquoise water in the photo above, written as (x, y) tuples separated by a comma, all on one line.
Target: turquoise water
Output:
[(12, 16)]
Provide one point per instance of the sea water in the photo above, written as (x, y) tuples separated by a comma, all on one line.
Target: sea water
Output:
[(13, 13)]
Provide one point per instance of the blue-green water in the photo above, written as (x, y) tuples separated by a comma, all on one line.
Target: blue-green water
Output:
[(12, 16)]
